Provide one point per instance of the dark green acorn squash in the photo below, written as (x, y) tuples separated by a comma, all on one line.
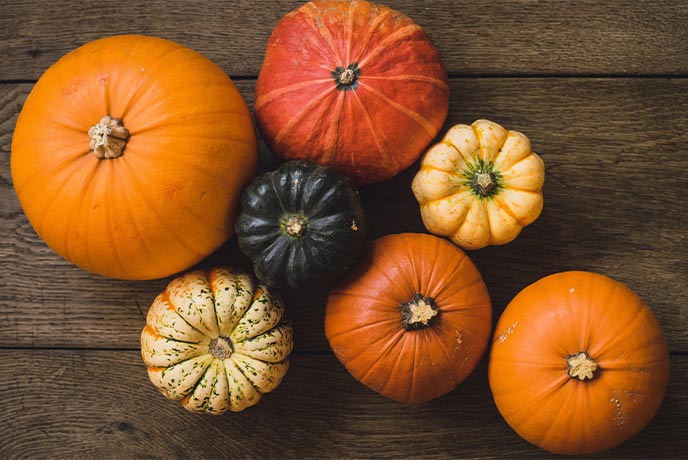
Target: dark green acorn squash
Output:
[(299, 224)]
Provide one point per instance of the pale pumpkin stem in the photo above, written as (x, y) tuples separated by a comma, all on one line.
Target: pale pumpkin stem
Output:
[(347, 77), (295, 226), (419, 312), (581, 366), (221, 348), (108, 137)]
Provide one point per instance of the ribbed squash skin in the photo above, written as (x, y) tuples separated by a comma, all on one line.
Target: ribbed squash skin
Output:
[(331, 210), (451, 203), (172, 196), (374, 127)]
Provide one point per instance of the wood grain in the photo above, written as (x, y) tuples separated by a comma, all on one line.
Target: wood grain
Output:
[(477, 37), (614, 203), (106, 408)]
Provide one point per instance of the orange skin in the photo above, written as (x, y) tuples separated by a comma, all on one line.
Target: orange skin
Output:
[(172, 196), (562, 315), (377, 127), (363, 321)]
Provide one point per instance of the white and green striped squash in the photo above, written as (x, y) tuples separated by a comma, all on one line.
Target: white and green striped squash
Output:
[(216, 340)]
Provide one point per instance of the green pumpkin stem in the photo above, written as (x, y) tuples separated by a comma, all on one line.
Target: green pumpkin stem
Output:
[(484, 183), (483, 178)]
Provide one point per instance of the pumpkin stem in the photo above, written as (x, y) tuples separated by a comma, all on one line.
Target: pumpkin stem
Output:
[(221, 348), (483, 179), (419, 312), (346, 78), (108, 137), (295, 226), (484, 183), (581, 366)]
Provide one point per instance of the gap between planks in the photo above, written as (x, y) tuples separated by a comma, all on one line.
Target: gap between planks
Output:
[(129, 349), (573, 76)]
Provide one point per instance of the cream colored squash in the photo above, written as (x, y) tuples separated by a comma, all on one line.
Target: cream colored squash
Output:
[(216, 340), (480, 185)]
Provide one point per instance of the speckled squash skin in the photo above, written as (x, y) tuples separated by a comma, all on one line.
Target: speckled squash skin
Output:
[(216, 340), (480, 185)]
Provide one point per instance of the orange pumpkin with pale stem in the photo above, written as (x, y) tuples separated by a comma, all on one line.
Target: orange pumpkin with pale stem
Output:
[(412, 320), (579, 363), (130, 154), (352, 84)]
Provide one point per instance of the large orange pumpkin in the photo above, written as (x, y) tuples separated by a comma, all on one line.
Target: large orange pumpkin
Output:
[(129, 156), (578, 363), (352, 84), (412, 320)]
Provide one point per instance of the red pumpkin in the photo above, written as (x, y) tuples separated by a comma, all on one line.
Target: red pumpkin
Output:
[(578, 363), (412, 320), (352, 84)]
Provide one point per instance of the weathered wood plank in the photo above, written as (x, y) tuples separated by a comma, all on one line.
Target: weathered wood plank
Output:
[(99, 404), (474, 37), (615, 152)]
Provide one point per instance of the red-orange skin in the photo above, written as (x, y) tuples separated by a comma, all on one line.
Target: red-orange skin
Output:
[(372, 132), (562, 315), (363, 320), (172, 197)]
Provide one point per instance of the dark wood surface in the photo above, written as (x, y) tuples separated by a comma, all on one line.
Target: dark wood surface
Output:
[(98, 404), (600, 89), (477, 37)]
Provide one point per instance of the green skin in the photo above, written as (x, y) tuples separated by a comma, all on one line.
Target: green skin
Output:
[(300, 224)]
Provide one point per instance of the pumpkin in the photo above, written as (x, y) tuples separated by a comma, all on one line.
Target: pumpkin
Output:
[(480, 185), (216, 340), (412, 319), (352, 84), (579, 363), (299, 224), (130, 154)]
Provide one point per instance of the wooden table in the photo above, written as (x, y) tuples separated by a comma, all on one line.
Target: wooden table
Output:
[(599, 87)]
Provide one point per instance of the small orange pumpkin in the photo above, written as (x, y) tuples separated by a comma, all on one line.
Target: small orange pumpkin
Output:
[(579, 363), (130, 154), (352, 84), (412, 320)]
